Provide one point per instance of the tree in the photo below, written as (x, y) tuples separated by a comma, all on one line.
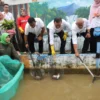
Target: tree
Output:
[(83, 12), (44, 12)]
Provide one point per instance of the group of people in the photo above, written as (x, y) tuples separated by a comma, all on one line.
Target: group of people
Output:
[(6, 46), (33, 29)]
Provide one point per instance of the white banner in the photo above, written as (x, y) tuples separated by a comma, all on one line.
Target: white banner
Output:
[(16, 2)]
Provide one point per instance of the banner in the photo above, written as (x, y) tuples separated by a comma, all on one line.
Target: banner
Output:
[(16, 2)]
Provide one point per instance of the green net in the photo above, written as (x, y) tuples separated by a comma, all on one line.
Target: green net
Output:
[(11, 65), (8, 82), (5, 76)]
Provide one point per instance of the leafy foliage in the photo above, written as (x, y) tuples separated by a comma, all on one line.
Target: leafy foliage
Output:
[(83, 12), (7, 24), (44, 12)]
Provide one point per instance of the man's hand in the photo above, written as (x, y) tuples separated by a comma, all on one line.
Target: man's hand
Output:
[(76, 54), (65, 36), (39, 38), (53, 50), (21, 30), (88, 35), (96, 15), (27, 46)]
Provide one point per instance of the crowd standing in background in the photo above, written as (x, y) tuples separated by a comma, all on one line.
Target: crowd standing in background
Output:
[(9, 16)]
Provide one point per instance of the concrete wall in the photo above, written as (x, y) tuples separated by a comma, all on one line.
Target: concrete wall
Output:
[(65, 61)]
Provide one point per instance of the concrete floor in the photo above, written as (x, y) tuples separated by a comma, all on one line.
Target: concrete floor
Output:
[(71, 87)]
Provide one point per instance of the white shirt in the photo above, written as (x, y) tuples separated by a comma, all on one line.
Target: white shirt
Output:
[(52, 29), (37, 29), (8, 16), (95, 22), (76, 30)]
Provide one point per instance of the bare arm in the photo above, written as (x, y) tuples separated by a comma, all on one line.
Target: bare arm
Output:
[(75, 48), (74, 41)]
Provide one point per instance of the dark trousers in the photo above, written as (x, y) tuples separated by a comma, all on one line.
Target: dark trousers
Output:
[(92, 42), (87, 41), (85, 44), (31, 39), (63, 43), (23, 43)]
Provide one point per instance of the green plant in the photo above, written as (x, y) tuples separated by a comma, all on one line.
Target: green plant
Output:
[(83, 12), (7, 24), (43, 11)]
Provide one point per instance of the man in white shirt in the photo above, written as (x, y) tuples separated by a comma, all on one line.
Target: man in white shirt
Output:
[(6, 13), (34, 31), (81, 28), (58, 25)]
